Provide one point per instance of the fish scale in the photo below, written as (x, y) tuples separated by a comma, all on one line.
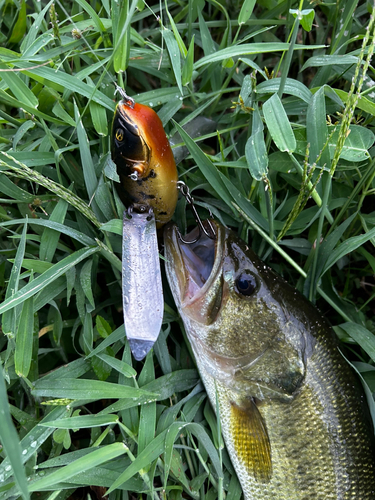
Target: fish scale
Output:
[(293, 414)]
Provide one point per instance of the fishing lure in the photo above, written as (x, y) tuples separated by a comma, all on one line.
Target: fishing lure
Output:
[(148, 188), (144, 159)]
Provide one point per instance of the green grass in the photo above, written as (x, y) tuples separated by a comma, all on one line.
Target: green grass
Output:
[(291, 169)]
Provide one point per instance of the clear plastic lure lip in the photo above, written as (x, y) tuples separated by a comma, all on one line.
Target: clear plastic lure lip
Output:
[(142, 290)]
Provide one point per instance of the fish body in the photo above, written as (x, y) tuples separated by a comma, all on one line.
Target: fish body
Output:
[(144, 160), (293, 415)]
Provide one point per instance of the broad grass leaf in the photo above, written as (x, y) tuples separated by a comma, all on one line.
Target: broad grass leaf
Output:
[(86, 281), (370, 258), (118, 334), (177, 467), (177, 381), (247, 88), (89, 174), (113, 226), (159, 96), (60, 112), (254, 65), (222, 185), (118, 365), (349, 245), (356, 146), (246, 11), (167, 112), (50, 237), (102, 477), (121, 37), (103, 327), (144, 459), (368, 392), (247, 49), (170, 414), (362, 336), (162, 388), (99, 118), (317, 130), (256, 151), (104, 199), (31, 35), (82, 422), (34, 439), (174, 55), (147, 418), (345, 18), (205, 165), (93, 15), (9, 315), (70, 388), (74, 369), (49, 293), (61, 81), (366, 105), (305, 16), (208, 44), (24, 338), (234, 489), (19, 28), (246, 205), (56, 226), (161, 350), (10, 189), (278, 124), (15, 103), (177, 35), (46, 278), (93, 459), (23, 130), (9, 440), (329, 60), (198, 431)]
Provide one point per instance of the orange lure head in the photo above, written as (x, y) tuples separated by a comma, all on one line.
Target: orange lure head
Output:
[(144, 160)]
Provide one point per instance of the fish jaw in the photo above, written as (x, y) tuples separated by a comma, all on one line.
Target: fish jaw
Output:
[(195, 278)]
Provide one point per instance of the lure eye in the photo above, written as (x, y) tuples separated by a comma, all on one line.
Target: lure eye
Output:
[(246, 284), (119, 134)]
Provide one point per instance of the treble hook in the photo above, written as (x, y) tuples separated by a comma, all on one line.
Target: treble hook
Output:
[(129, 101), (185, 191)]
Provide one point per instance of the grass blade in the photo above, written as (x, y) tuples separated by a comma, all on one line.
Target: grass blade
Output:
[(10, 441), (24, 339), (70, 388), (93, 459), (46, 278), (278, 124)]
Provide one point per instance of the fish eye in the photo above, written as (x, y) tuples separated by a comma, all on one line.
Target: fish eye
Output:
[(246, 284), (119, 134)]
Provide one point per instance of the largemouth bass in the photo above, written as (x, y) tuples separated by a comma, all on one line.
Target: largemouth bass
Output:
[(293, 415)]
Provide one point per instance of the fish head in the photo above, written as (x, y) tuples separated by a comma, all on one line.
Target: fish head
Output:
[(242, 319)]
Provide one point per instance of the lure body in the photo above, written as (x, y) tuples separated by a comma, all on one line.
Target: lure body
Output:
[(144, 160), (142, 291)]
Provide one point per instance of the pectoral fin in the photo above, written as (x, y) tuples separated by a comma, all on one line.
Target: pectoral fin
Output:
[(251, 441)]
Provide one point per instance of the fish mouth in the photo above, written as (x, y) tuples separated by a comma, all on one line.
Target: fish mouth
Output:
[(195, 264)]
